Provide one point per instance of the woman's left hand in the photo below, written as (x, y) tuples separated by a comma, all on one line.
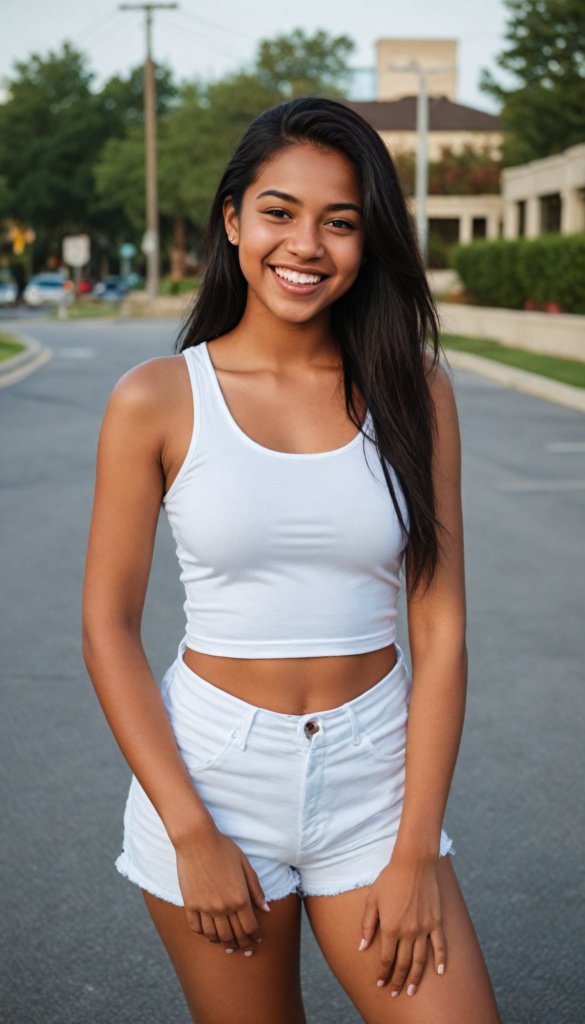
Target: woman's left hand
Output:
[(404, 901)]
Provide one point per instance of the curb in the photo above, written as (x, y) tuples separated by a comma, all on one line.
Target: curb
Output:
[(27, 362), (519, 380)]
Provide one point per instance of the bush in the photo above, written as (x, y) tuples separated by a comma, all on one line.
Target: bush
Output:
[(522, 272), (170, 287)]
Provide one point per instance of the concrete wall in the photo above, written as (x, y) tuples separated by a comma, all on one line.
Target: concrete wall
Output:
[(562, 334), (563, 174), (465, 209), (428, 53)]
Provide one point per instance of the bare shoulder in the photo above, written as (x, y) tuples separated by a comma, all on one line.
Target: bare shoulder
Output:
[(442, 394), (151, 389)]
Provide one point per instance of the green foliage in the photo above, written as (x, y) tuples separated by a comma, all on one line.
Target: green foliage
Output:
[(470, 172), (302, 65), (545, 111), (52, 128), (549, 269), (50, 133)]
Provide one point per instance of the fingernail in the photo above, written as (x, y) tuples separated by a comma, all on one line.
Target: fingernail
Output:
[(247, 952), (395, 993), (258, 940), (229, 950), (411, 990), (265, 906), (380, 984), (363, 945), (441, 969)]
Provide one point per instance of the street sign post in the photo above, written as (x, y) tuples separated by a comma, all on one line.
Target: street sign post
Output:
[(76, 253), (127, 252), (76, 250)]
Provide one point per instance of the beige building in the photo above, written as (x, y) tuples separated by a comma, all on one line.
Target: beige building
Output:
[(452, 126), (433, 55), (545, 195)]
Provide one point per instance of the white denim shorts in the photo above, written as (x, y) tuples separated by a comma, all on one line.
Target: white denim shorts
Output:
[(314, 801)]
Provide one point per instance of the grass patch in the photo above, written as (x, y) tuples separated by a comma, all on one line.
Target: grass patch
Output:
[(86, 310), (9, 346), (568, 371)]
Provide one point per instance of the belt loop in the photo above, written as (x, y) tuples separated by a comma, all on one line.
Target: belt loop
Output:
[(244, 732), (355, 727)]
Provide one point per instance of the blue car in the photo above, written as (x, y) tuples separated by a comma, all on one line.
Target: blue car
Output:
[(112, 288)]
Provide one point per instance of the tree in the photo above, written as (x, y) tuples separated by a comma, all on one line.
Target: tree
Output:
[(456, 174), (52, 128), (302, 65), (545, 111)]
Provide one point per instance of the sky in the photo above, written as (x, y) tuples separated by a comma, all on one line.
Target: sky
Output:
[(205, 40)]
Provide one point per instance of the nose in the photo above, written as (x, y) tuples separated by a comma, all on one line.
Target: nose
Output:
[(304, 241)]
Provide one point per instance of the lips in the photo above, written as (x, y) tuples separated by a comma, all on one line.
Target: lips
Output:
[(298, 282)]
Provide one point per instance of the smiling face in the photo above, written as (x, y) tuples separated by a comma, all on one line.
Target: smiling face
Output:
[(300, 232)]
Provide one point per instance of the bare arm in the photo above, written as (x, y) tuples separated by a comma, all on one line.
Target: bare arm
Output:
[(133, 455), (405, 898)]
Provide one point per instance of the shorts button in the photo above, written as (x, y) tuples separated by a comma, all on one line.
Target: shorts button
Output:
[(311, 728)]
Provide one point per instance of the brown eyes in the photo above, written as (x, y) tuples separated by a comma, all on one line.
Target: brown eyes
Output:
[(337, 223)]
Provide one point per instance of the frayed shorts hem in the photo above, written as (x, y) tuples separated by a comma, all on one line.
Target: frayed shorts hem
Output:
[(127, 869)]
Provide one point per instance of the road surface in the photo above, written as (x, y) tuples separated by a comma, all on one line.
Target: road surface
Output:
[(76, 944)]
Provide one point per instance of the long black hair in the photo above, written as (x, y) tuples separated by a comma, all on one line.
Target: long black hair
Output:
[(385, 325)]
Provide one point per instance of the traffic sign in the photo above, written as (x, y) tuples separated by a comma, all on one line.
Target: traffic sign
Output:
[(149, 243), (127, 251), (76, 250)]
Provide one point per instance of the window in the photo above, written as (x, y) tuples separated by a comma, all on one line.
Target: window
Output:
[(443, 233), (521, 218), (479, 229), (550, 214)]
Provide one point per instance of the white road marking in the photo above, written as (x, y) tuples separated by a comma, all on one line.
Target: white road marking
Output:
[(76, 353), (534, 486), (566, 447)]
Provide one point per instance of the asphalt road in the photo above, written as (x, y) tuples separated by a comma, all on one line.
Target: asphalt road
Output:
[(76, 945)]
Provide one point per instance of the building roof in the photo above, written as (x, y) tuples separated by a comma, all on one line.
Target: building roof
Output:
[(444, 116)]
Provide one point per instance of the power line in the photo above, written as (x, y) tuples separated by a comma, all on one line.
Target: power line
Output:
[(95, 27), (205, 42)]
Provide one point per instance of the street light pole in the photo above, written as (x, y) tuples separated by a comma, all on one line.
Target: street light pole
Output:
[(150, 244), (422, 167), (422, 159)]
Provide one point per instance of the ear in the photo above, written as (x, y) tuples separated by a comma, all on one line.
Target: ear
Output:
[(231, 221)]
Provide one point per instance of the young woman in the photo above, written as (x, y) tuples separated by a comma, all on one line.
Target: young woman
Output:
[(304, 444)]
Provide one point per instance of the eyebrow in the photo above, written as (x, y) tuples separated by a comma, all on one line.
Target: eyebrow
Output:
[(333, 207)]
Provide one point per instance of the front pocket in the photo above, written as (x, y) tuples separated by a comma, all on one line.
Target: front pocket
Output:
[(400, 754), (214, 759)]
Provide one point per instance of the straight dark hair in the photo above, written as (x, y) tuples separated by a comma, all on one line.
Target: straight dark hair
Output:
[(386, 324)]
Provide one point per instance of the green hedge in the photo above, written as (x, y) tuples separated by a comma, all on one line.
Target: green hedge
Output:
[(511, 273)]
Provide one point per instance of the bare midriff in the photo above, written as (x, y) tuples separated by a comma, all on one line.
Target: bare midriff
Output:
[(294, 686)]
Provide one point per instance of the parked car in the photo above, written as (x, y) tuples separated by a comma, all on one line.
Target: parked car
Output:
[(112, 288), (8, 291), (50, 289)]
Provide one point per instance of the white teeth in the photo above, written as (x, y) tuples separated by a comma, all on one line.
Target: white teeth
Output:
[(295, 278)]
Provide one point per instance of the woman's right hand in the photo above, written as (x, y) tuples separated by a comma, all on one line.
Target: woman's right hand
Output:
[(220, 889)]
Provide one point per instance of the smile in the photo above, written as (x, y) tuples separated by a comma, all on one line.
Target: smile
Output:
[(298, 282), (295, 277)]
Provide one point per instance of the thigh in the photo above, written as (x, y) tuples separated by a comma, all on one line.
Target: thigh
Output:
[(222, 988), (462, 995)]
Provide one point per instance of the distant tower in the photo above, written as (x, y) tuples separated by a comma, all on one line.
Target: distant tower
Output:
[(435, 53)]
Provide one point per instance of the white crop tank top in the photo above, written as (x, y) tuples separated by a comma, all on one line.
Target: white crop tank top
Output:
[(281, 555)]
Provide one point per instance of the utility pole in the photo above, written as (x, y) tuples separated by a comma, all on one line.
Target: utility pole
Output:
[(150, 242), (422, 160)]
